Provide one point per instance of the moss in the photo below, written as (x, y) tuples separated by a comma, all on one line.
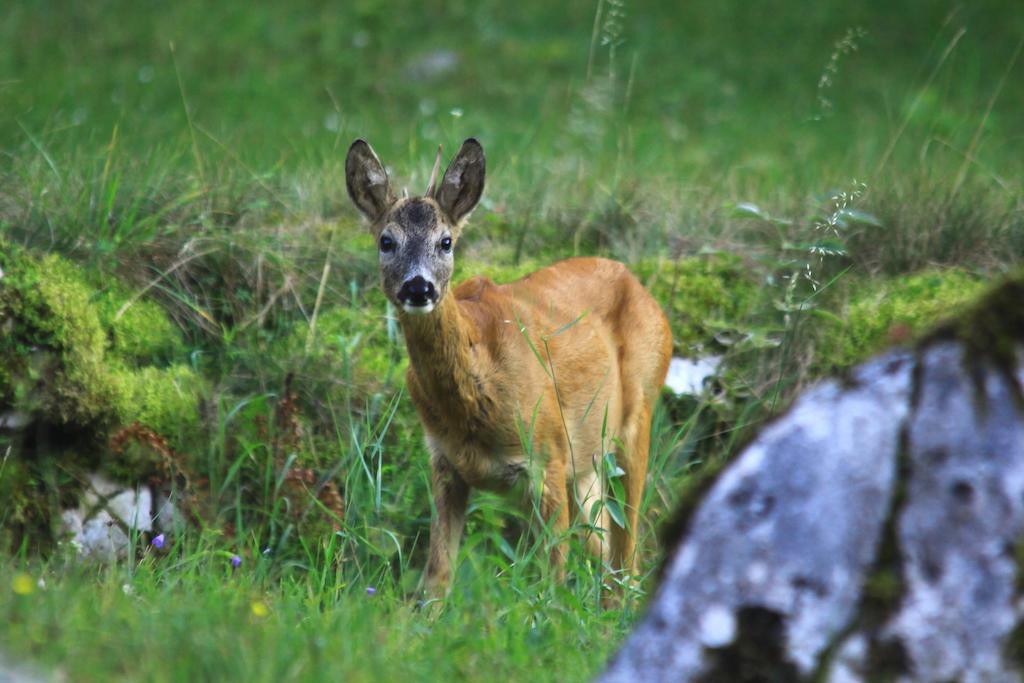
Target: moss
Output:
[(71, 364), (139, 330), (702, 296), (894, 310), (165, 400), (54, 352)]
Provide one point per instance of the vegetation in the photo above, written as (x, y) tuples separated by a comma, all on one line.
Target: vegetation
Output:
[(188, 301), (895, 310)]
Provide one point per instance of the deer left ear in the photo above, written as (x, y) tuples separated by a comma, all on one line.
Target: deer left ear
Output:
[(463, 181), (367, 181)]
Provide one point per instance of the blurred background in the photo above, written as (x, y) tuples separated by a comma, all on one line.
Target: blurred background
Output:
[(662, 99)]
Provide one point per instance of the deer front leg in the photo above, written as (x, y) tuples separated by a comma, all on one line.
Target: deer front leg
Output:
[(451, 495)]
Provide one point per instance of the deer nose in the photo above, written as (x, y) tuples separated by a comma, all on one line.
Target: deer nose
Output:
[(417, 292)]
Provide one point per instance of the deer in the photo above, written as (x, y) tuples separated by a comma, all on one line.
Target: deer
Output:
[(577, 352)]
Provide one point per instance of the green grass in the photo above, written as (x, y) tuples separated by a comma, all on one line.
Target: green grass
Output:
[(188, 616), (194, 152), (700, 107), (300, 608)]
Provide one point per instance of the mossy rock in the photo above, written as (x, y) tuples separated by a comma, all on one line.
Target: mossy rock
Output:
[(53, 349), (139, 330), (894, 310), (69, 361), (701, 295), (164, 400)]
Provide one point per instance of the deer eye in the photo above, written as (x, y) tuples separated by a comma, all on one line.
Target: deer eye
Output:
[(387, 244), (446, 244)]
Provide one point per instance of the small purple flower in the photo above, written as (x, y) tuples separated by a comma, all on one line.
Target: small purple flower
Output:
[(158, 541), (370, 590), (236, 561)]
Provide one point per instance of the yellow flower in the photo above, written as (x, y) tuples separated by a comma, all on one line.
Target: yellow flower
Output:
[(258, 609), (22, 584)]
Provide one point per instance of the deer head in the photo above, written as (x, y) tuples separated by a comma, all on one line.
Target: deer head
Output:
[(416, 236)]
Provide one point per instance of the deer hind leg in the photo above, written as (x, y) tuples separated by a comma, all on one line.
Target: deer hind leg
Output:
[(589, 490), (644, 353), (554, 511), (632, 458)]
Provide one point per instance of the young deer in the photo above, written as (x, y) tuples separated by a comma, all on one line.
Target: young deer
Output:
[(577, 352)]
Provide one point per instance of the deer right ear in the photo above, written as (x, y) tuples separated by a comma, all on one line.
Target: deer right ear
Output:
[(367, 181), (463, 182)]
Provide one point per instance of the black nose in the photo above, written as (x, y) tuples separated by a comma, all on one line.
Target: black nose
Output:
[(417, 292)]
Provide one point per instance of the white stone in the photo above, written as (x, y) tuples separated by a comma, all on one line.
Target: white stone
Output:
[(17, 674), (686, 376), (167, 517), (848, 661), (97, 538), (717, 627), (98, 527)]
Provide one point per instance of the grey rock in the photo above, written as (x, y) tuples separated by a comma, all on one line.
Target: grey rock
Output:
[(14, 420), (686, 376), (870, 530), (10, 673), (167, 516), (958, 529), (98, 528)]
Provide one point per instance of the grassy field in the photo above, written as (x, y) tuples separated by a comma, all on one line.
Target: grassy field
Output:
[(800, 169)]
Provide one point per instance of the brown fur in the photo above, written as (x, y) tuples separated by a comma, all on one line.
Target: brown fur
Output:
[(476, 384)]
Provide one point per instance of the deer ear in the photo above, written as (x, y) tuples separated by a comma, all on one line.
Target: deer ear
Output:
[(463, 181), (367, 181)]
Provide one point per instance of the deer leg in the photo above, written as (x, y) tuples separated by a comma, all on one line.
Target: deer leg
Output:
[(590, 497), (632, 458), (451, 495), (554, 510)]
